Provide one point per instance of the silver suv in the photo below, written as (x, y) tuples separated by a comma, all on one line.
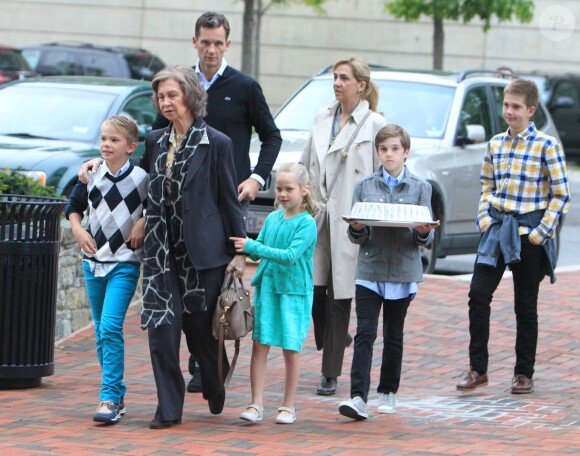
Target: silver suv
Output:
[(450, 117)]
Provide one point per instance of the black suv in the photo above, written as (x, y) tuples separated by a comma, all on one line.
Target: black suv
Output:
[(12, 65), (71, 58), (561, 95)]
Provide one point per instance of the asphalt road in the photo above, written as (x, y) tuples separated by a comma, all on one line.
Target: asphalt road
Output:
[(570, 243)]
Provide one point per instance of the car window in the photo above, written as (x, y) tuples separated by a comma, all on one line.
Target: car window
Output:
[(475, 111), (300, 111), (143, 65), (11, 61), (566, 90), (101, 64), (143, 111), (74, 115), (422, 109), (57, 62), (32, 56)]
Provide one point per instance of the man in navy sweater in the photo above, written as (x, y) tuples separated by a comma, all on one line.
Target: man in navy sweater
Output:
[(235, 106)]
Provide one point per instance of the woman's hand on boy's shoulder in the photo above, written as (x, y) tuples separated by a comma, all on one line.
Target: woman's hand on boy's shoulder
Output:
[(423, 230)]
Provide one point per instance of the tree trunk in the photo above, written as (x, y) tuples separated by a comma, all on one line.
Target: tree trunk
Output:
[(438, 43), (249, 41)]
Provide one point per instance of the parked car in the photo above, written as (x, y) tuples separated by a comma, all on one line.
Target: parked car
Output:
[(12, 65), (50, 126), (85, 59), (561, 95), (450, 118)]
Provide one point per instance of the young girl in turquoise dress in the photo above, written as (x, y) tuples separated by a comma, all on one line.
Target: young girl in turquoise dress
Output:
[(283, 286)]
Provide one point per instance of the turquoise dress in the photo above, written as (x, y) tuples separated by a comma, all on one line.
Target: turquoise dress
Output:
[(283, 281)]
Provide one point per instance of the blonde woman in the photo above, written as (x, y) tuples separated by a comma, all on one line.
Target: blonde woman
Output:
[(352, 117)]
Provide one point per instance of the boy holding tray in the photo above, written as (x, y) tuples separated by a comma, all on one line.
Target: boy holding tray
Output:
[(388, 271)]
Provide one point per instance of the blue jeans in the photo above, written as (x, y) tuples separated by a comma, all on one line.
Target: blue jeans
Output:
[(368, 308), (109, 297)]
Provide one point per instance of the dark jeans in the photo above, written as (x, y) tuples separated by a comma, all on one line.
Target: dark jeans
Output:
[(527, 275), (368, 308)]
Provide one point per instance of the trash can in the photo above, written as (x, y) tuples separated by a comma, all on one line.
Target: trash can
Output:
[(29, 248)]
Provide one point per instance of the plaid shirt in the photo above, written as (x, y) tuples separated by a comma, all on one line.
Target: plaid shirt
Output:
[(521, 174)]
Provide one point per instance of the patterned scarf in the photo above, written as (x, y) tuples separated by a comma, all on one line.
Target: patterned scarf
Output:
[(165, 197)]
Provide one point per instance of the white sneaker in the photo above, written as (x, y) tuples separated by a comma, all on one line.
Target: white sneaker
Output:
[(354, 408), (387, 403)]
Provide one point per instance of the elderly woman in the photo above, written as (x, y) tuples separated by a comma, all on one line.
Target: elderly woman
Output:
[(192, 210), (351, 117)]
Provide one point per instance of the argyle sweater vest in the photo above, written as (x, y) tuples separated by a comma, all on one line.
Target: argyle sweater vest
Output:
[(115, 204)]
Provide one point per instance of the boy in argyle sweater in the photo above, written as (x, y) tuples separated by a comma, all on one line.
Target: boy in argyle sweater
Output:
[(115, 196)]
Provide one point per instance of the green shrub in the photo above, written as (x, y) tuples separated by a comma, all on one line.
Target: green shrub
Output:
[(15, 182)]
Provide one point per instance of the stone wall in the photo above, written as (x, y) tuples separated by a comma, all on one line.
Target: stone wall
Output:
[(72, 305)]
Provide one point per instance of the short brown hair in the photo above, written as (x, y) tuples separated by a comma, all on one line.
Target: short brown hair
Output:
[(126, 126), (393, 131), (212, 20), (526, 88), (195, 97)]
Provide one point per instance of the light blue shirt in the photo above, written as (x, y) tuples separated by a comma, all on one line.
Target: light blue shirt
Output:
[(204, 82), (391, 290)]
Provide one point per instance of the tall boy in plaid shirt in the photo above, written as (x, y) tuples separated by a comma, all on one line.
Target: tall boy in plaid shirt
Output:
[(524, 193)]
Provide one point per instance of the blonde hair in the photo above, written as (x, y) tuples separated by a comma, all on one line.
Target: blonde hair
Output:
[(300, 174), (362, 73), (124, 125)]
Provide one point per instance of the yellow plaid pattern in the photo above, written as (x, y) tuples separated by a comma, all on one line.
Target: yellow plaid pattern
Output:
[(522, 174)]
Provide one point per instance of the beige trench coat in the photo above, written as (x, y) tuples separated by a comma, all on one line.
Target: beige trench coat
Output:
[(333, 246)]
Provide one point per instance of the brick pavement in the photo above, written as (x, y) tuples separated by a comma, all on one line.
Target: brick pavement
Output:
[(432, 417)]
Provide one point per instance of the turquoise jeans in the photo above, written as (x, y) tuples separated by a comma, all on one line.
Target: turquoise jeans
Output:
[(109, 297)]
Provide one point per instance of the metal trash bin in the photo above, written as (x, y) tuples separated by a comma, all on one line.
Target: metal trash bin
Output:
[(29, 248)]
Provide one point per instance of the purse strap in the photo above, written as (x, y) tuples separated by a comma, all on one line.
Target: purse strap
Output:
[(344, 154), (229, 281)]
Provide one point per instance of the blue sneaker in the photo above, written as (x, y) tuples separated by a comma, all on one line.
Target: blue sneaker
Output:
[(108, 412), (122, 409)]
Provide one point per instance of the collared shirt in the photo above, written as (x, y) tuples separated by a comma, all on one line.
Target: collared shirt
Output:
[(522, 174), (391, 181), (391, 290), (207, 84)]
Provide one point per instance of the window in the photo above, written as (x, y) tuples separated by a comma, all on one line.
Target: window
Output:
[(475, 111), (143, 111)]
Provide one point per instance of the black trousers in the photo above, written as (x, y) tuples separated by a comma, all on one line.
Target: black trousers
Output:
[(527, 275), (331, 318), (164, 344), (368, 309)]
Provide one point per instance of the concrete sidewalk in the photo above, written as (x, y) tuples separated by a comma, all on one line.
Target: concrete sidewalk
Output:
[(432, 417)]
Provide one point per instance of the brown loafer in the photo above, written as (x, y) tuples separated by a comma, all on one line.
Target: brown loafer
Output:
[(472, 381), (522, 384)]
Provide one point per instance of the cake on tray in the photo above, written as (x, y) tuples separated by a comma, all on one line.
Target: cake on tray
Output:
[(384, 214)]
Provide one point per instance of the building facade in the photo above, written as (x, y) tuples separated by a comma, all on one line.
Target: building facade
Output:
[(296, 41)]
